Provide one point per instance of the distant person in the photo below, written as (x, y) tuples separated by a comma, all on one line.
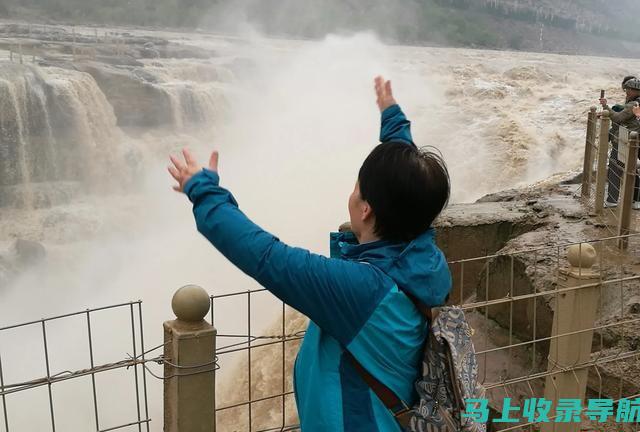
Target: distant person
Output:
[(621, 115), (361, 300), (620, 107)]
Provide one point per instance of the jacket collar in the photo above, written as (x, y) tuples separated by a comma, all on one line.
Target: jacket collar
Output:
[(345, 245)]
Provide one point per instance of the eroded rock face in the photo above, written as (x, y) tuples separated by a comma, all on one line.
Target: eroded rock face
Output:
[(136, 101), (467, 231), (173, 95), (526, 265), (522, 230)]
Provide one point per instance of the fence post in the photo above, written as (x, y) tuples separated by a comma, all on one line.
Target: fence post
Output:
[(574, 311), (603, 154), (588, 153), (628, 189), (189, 369)]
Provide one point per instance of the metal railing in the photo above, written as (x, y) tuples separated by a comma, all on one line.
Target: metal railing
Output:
[(521, 297), (281, 343), (133, 364), (521, 304), (84, 45), (511, 309), (610, 180)]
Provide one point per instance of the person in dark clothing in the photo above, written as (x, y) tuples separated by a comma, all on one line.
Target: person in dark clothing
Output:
[(621, 116)]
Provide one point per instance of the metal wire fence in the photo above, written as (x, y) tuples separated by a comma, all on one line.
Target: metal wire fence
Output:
[(85, 42), (511, 299), (515, 301), (610, 184), (133, 366), (263, 400)]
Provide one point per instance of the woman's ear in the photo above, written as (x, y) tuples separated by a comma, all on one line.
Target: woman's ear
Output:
[(367, 212)]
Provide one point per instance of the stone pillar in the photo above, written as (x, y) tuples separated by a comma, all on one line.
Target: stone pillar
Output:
[(628, 187), (589, 153), (603, 155), (189, 386), (574, 310)]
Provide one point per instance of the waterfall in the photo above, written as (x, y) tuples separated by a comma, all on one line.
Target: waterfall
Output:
[(195, 90), (59, 127), (193, 105), (56, 126)]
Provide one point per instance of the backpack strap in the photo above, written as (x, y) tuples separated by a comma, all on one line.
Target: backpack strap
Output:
[(425, 310), (394, 404)]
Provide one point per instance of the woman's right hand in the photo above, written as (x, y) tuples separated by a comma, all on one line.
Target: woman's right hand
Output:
[(384, 93), (183, 171)]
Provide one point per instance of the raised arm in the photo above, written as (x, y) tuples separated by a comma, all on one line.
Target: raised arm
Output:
[(337, 295), (394, 124)]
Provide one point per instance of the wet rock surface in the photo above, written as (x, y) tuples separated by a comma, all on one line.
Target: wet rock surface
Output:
[(136, 101), (144, 94), (527, 262)]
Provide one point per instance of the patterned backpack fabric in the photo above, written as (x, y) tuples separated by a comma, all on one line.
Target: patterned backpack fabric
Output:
[(449, 377)]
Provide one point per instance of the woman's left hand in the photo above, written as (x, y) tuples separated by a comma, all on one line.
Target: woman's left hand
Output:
[(183, 171)]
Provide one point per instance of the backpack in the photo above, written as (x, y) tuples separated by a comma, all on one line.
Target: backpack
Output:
[(449, 377)]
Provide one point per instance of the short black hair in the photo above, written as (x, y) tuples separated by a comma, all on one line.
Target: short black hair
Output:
[(406, 187)]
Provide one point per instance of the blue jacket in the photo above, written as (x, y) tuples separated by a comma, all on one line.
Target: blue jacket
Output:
[(353, 300)]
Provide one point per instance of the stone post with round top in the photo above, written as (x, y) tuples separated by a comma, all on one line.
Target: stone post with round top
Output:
[(575, 306), (189, 367)]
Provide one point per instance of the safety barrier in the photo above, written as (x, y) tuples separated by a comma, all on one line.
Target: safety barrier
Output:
[(555, 322), (81, 45), (609, 176), (132, 365)]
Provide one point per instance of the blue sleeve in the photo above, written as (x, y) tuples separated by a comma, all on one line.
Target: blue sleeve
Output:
[(395, 126), (338, 295)]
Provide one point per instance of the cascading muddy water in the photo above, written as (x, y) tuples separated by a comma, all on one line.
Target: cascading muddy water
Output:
[(58, 132), (195, 90)]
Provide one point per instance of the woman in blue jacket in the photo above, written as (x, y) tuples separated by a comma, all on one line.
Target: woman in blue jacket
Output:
[(358, 299)]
